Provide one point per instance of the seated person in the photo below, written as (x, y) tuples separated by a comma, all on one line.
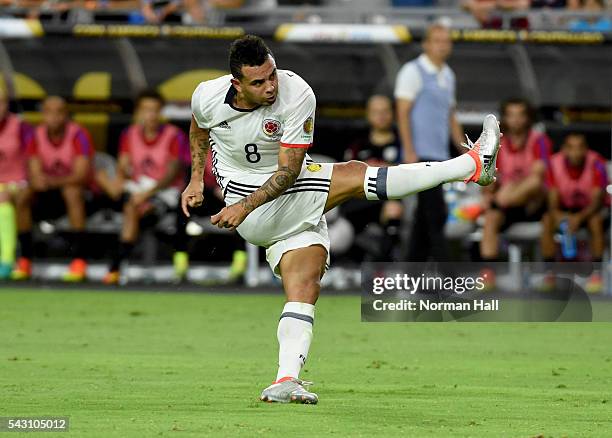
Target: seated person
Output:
[(577, 182), (381, 147), (214, 203), (158, 11), (486, 12), (519, 193), (60, 168), (207, 11), (148, 171), (15, 138), (554, 4)]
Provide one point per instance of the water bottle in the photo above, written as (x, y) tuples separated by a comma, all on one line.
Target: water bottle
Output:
[(569, 247)]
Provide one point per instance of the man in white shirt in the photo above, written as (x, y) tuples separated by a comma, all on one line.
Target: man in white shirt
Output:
[(258, 123), (425, 97)]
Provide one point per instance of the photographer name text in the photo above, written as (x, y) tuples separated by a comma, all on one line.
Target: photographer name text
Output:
[(429, 305)]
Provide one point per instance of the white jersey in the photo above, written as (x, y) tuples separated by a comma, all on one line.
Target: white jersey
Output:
[(246, 142), (245, 146)]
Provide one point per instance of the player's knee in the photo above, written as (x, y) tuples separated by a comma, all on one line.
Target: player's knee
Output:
[(351, 175), (502, 200), (493, 219), (356, 165), (304, 289), (72, 194), (351, 167), (23, 199)]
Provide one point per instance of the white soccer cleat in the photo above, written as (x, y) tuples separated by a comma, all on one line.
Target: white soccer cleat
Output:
[(484, 152), (289, 390)]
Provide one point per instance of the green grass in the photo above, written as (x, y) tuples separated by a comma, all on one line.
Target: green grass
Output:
[(182, 365)]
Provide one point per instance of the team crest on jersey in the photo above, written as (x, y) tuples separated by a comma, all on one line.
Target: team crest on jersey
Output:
[(314, 167), (272, 128), (308, 125)]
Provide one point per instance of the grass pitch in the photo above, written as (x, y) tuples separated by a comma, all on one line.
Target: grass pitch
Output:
[(162, 364)]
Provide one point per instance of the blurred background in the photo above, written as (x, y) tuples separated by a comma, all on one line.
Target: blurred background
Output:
[(544, 67)]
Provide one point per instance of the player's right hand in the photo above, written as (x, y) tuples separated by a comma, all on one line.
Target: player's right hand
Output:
[(192, 196)]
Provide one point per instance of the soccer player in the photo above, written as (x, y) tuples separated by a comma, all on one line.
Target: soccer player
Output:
[(149, 165), (259, 123), (519, 193), (577, 181), (15, 138), (60, 167)]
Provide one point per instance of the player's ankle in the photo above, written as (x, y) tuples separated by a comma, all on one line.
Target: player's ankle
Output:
[(284, 379)]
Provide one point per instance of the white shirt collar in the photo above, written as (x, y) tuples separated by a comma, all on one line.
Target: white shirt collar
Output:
[(429, 66)]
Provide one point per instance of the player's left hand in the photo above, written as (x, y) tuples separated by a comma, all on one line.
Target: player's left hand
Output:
[(230, 217)]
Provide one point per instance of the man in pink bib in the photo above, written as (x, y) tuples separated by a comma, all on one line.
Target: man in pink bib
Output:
[(577, 181), (15, 138), (60, 168), (149, 172), (519, 193)]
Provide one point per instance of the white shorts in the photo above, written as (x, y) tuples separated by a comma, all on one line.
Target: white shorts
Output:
[(293, 220)]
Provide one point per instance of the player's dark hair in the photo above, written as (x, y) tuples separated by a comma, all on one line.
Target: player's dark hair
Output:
[(527, 106), (149, 94), (248, 50)]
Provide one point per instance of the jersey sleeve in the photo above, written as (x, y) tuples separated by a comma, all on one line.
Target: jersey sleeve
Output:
[(299, 125), (198, 108)]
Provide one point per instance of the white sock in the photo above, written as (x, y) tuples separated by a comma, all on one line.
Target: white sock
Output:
[(397, 182), (294, 337)]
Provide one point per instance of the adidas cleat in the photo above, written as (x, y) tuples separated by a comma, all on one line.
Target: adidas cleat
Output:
[(484, 152), (289, 390)]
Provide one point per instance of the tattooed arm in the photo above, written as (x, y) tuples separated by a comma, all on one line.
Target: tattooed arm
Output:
[(289, 165), (193, 195), (199, 146)]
